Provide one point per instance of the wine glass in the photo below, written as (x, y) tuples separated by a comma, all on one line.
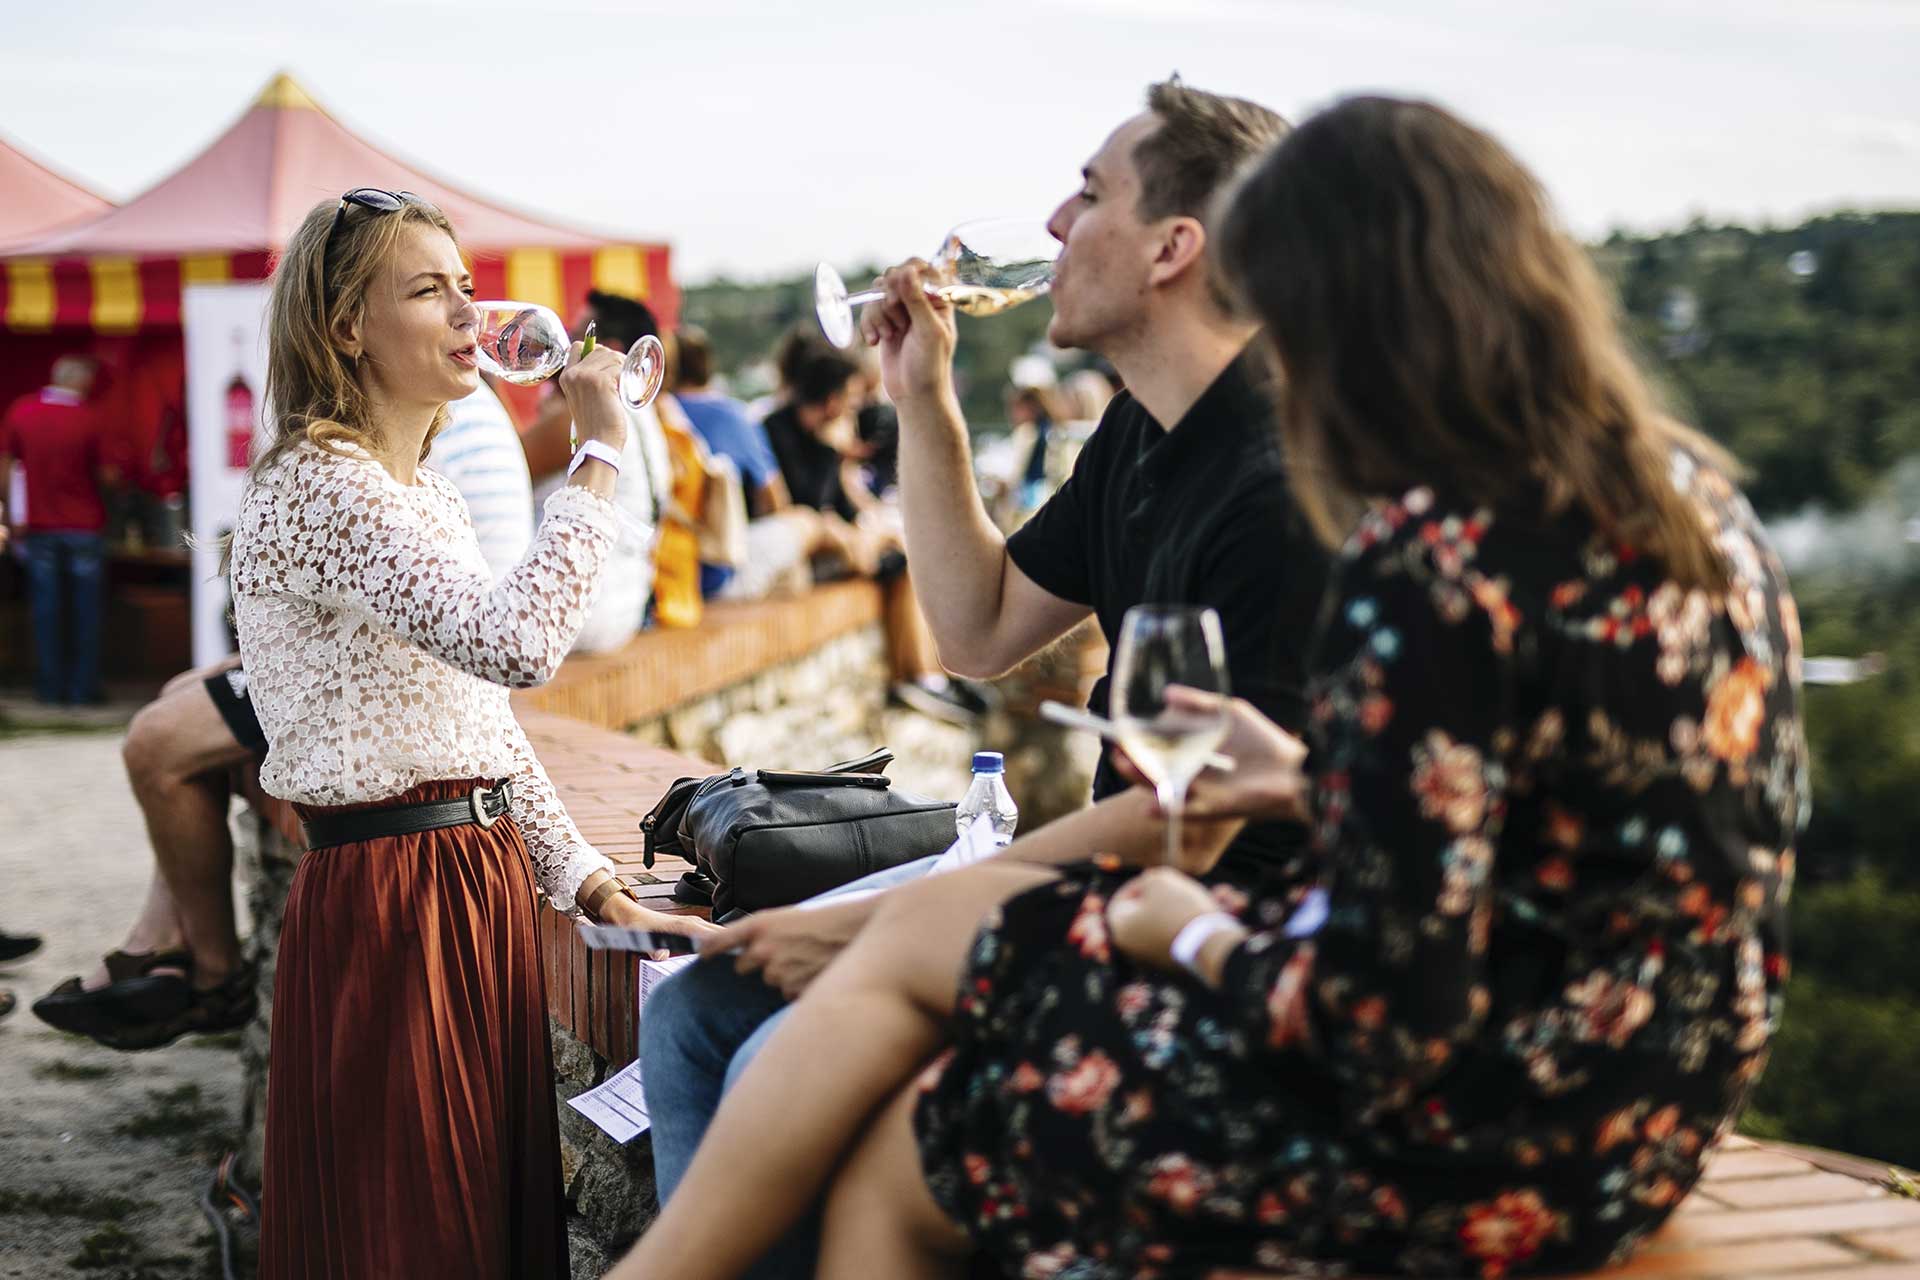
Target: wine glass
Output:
[(525, 343), (981, 267), (1160, 646)]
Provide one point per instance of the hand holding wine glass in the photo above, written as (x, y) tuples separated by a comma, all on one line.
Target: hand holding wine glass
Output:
[(1268, 780), (913, 329), (591, 384), (981, 268), (525, 343), (1161, 648)]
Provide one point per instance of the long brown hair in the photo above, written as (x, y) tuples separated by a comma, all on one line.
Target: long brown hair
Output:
[(1435, 326), (315, 390)]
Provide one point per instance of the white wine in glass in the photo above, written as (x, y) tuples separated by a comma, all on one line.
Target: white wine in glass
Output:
[(982, 268), (1162, 646), (525, 343)]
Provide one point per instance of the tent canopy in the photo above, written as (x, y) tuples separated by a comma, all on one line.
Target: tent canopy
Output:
[(38, 199), (224, 213)]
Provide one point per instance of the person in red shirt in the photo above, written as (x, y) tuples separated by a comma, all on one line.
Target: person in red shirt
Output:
[(56, 440)]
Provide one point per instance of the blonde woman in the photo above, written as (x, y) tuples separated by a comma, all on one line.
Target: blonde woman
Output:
[(410, 1111)]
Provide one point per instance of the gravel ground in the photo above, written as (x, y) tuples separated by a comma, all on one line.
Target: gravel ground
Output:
[(103, 1155)]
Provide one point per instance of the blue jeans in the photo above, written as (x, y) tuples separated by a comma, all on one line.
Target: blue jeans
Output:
[(698, 1032), (65, 574)]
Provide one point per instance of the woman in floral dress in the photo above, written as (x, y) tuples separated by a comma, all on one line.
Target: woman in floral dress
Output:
[(1556, 769)]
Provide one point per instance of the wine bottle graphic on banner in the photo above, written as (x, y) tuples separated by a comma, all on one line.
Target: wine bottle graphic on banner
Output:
[(239, 407)]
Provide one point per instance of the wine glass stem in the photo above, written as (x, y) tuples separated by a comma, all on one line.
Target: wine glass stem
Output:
[(865, 296), (1173, 800)]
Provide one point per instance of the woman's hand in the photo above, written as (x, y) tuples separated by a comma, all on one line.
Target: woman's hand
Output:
[(592, 386), (625, 912), (1267, 780), (1149, 910)]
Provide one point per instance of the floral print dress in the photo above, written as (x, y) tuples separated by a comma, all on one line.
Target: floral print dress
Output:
[(1555, 797)]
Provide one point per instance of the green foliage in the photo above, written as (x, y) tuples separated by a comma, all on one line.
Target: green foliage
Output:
[(1842, 1072), (1857, 936), (1810, 379)]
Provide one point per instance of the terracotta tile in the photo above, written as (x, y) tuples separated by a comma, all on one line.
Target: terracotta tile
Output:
[(1752, 1164), (1901, 1242), (1699, 1229), (1732, 1260), (1809, 1188)]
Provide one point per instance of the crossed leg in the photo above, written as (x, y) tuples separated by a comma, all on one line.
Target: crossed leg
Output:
[(848, 1049), (177, 753)]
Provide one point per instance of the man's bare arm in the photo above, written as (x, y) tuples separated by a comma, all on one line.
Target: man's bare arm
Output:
[(986, 614)]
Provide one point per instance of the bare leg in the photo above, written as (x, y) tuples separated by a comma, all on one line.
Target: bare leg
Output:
[(877, 1015), (830, 534), (909, 639), (881, 1220), (177, 753)]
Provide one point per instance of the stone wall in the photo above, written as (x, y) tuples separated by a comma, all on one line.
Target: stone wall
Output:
[(830, 705)]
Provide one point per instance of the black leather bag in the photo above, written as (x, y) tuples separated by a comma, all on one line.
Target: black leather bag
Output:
[(762, 838)]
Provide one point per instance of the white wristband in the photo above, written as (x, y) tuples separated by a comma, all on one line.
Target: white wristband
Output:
[(1194, 935), (595, 449)]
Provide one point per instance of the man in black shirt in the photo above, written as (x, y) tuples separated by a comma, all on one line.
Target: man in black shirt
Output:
[(1179, 497)]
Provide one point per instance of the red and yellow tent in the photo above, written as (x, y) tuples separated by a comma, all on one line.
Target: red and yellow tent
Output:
[(111, 284), (38, 199)]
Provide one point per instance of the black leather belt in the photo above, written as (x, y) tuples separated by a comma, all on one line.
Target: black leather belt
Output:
[(482, 807)]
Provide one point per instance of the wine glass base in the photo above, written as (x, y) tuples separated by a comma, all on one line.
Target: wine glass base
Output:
[(643, 371), (831, 306)]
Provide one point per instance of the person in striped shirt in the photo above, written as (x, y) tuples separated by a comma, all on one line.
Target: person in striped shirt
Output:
[(479, 450)]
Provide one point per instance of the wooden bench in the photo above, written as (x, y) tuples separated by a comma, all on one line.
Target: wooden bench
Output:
[(1769, 1209)]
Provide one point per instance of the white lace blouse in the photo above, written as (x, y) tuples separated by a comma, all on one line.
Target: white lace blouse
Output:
[(379, 650)]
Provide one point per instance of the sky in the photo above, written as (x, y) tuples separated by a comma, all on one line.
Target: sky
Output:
[(759, 137)]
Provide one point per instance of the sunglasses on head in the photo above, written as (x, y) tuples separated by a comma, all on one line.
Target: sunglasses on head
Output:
[(375, 198)]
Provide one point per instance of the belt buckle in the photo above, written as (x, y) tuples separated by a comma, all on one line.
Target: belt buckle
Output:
[(479, 797)]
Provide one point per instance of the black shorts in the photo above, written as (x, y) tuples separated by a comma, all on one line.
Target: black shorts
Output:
[(229, 693)]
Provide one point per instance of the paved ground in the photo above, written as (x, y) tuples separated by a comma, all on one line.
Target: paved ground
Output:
[(102, 1155)]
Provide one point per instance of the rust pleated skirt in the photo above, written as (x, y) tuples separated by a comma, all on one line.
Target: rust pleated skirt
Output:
[(410, 1107)]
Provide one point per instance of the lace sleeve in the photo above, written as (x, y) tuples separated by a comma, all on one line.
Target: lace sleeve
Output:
[(346, 540), (562, 858)]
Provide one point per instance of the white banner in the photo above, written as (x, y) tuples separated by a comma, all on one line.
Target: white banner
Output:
[(225, 328)]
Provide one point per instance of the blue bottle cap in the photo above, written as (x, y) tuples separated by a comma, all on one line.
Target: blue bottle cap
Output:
[(989, 762)]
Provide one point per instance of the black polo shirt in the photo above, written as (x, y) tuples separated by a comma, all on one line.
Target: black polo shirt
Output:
[(809, 465), (1197, 515)]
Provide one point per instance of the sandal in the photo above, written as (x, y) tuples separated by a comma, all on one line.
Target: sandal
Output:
[(72, 1007), (227, 1007)]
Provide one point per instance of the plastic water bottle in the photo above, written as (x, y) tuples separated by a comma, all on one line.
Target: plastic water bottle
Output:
[(989, 795)]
